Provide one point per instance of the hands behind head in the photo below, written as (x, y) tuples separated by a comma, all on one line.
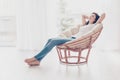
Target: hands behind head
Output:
[(85, 17), (101, 18)]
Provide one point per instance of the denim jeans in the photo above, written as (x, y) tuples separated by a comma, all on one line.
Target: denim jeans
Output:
[(49, 46)]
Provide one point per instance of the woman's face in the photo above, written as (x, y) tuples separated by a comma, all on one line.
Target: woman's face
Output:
[(92, 18)]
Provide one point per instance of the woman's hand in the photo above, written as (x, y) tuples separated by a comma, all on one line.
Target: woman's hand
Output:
[(84, 17), (101, 18)]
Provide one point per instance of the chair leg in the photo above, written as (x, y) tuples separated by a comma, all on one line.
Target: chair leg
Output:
[(88, 54), (65, 56), (79, 56), (59, 54), (65, 52), (68, 53)]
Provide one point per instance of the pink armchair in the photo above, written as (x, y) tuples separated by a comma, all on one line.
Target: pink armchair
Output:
[(71, 52)]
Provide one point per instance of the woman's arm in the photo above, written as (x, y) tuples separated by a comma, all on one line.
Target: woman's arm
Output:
[(71, 31), (84, 17), (76, 29), (101, 18)]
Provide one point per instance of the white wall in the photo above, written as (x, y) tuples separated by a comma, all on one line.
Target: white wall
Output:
[(7, 7)]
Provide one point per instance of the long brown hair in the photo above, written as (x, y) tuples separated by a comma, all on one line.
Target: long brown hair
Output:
[(96, 18)]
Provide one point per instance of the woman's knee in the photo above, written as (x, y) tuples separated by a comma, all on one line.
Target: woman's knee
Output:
[(50, 39)]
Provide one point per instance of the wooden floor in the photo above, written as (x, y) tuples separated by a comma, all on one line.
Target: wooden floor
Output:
[(102, 65)]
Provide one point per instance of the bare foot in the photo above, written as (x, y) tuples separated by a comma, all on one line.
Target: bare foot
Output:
[(30, 60), (34, 63)]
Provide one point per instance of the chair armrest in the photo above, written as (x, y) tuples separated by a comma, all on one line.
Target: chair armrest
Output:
[(82, 42), (85, 40)]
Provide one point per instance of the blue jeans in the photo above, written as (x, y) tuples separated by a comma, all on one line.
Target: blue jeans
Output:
[(49, 46)]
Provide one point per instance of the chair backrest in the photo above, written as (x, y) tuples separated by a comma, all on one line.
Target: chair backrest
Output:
[(96, 32), (87, 40)]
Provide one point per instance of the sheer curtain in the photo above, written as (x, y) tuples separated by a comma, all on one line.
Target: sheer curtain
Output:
[(31, 24), (7, 23)]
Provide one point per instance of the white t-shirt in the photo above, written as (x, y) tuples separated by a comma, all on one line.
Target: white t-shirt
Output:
[(84, 29)]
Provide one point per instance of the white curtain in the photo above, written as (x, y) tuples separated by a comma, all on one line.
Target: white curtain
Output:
[(7, 23), (31, 24)]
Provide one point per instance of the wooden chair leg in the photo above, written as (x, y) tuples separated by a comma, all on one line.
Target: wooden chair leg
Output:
[(88, 54), (59, 54), (68, 53), (65, 56), (79, 56), (65, 53)]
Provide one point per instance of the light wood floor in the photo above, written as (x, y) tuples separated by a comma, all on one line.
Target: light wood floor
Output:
[(102, 65)]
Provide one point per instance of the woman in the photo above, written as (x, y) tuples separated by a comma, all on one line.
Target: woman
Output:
[(87, 22)]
